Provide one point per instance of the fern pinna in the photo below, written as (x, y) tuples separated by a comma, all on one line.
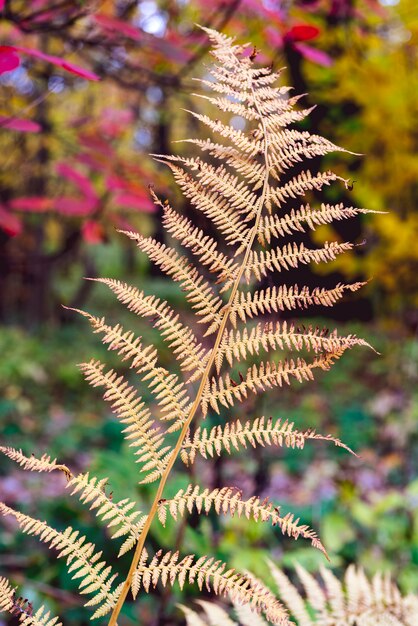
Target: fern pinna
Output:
[(359, 602), (242, 183)]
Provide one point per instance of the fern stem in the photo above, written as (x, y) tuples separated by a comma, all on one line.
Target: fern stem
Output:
[(154, 507)]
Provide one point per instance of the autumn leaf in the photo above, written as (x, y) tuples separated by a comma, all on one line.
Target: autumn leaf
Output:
[(22, 125)]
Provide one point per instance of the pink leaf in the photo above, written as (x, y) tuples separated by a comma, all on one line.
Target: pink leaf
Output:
[(66, 65), (115, 121), (117, 26), (37, 204), (115, 182), (141, 202), (82, 182), (92, 162), (10, 223), (9, 60), (302, 32), (74, 207), (92, 232), (274, 37), (93, 142), (314, 55), (2, 3), (14, 123)]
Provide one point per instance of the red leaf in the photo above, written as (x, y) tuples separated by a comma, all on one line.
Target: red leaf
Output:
[(66, 65), (9, 60), (14, 123), (74, 207), (314, 55), (10, 223), (37, 204), (141, 202), (82, 182), (92, 232), (302, 32)]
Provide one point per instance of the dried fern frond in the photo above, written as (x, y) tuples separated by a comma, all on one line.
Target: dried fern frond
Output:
[(235, 345), (245, 204), (278, 226), (130, 410), (375, 602), (6, 595), (203, 246), (181, 339), (235, 435), (229, 500), (291, 256), (33, 464), (198, 291), (21, 608), (357, 601), (92, 491), (81, 558), (209, 573), (213, 204), (248, 305), (225, 391), (171, 393)]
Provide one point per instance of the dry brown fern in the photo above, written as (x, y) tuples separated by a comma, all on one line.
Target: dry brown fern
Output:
[(22, 609), (237, 185), (358, 601)]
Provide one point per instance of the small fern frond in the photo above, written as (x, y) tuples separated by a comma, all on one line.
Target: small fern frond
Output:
[(290, 596), (81, 558), (6, 595), (335, 593), (289, 147), (225, 391), (279, 226), (171, 393), (291, 256), (212, 203), (249, 305), (33, 464), (300, 184), (245, 143), (217, 616), (208, 573), (235, 345), (314, 592), (360, 601), (228, 500), (91, 490), (248, 167), (193, 619), (140, 431), (203, 246), (235, 435), (247, 617), (180, 338), (23, 609), (125, 343), (198, 291)]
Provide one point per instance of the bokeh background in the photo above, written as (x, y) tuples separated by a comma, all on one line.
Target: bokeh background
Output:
[(75, 168)]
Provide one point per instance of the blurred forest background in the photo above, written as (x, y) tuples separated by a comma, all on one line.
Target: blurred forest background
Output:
[(75, 167)]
